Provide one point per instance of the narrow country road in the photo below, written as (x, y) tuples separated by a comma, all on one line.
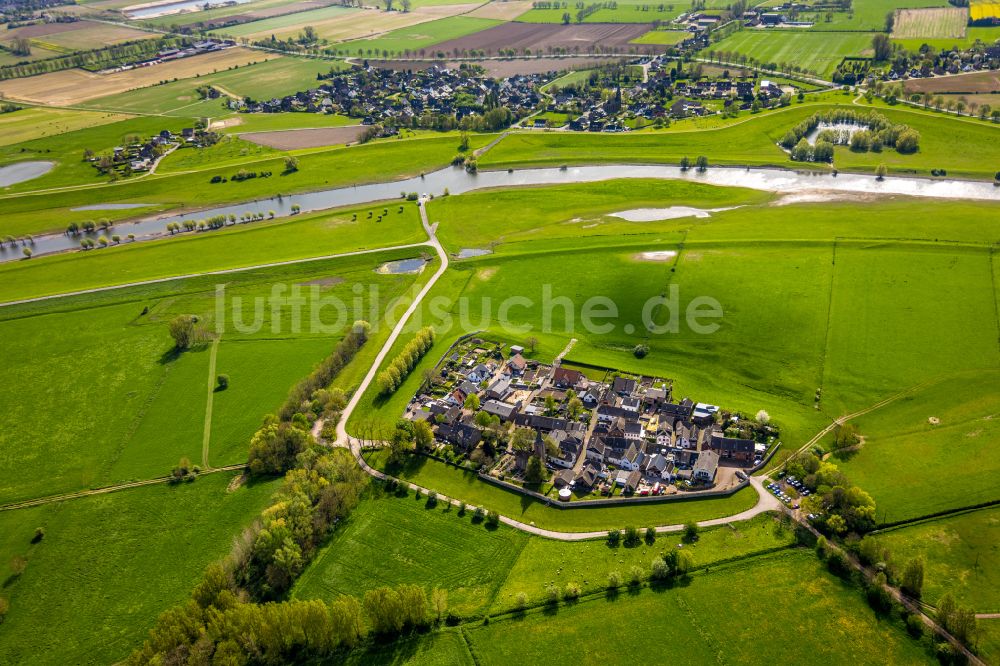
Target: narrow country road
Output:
[(343, 439)]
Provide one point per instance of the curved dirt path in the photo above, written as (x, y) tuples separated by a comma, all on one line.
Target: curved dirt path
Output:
[(38, 501)]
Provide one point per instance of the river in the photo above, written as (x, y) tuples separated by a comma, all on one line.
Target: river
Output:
[(457, 181)]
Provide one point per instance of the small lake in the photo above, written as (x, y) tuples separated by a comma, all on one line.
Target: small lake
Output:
[(846, 131), (12, 174), (671, 213), (457, 181), (402, 266), (467, 252)]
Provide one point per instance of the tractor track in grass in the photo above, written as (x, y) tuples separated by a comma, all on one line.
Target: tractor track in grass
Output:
[(39, 501)]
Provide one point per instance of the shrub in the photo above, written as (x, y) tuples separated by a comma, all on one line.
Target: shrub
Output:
[(614, 580), (222, 381), (572, 591), (640, 351), (614, 538)]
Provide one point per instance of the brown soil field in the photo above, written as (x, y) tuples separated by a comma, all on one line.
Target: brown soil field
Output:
[(502, 11), (505, 67), (72, 86), (977, 82), (582, 38), (305, 138)]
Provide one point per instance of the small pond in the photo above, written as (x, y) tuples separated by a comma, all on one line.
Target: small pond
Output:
[(12, 174), (402, 266)]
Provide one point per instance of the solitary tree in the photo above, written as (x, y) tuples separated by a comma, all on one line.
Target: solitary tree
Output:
[(701, 163), (222, 381), (880, 172), (182, 330), (913, 577)]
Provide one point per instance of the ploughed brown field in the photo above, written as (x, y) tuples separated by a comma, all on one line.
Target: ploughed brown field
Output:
[(539, 37), (305, 138), (978, 82)]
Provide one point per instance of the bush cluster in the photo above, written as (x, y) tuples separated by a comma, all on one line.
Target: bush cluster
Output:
[(879, 133)]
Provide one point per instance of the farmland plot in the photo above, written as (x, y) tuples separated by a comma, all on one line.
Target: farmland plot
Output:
[(930, 23)]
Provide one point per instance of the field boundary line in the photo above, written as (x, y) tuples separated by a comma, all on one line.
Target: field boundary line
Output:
[(225, 271), (110, 489)]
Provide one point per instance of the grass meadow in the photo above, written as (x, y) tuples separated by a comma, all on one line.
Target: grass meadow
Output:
[(31, 123), (915, 468), (769, 609), (110, 564), (961, 552), (138, 411), (752, 140)]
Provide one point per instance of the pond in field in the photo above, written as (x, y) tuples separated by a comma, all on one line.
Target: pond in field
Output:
[(403, 266), (671, 213), (656, 255), (467, 252), (12, 174), (457, 181), (842, 131)]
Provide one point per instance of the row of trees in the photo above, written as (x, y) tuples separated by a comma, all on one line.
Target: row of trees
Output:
[(224, 621), (276, 446), (102, 58), (392, 377)]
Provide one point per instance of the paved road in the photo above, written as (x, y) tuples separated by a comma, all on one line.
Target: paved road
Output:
[(226, 271), (343, 439)]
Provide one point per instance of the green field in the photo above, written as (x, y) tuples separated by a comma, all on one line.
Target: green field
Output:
[(818, 53), (110, 564), (36, 123), (778, 608), (393, 540), (417, 37), (752, 141), (962, 554), (140, 410), (932, 467), (263, 80), (987, 35), (664, 37), (625, 11)]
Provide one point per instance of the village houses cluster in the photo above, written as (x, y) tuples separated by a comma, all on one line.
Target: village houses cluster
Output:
[(620, 435), (397, 98)]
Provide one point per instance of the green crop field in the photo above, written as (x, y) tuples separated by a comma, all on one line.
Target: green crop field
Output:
[(110, 564), (815, 52), (625, 11), (664, 37), (810, 617), (395, 540), (151, 401), (962, 554), (263, 80), (986, 34), (419, 36)]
